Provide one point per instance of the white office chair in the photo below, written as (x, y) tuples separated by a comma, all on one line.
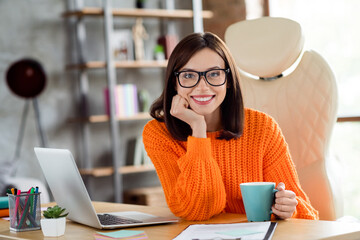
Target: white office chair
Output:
[(304, 102)]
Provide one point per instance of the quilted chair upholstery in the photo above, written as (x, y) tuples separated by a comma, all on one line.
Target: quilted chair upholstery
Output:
[(302, 101)]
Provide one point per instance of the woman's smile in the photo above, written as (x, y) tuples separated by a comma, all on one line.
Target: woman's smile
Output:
[(202, 99)]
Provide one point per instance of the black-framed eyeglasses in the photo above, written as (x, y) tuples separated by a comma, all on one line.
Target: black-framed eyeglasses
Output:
[(214, 77)]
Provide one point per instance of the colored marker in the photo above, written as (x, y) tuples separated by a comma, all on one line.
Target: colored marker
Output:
[(16, 212), (31, 201), (35, 201)]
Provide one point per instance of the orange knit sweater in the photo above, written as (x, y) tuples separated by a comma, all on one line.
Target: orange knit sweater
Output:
[(201, 176)]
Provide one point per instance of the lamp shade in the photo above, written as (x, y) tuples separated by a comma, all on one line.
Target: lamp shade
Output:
[(26, 78)]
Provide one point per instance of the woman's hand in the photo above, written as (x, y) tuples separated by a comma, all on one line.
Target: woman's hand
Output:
[(180, 109), (285, 202)]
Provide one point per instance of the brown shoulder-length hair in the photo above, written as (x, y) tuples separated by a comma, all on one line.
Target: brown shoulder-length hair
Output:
[(232, 108)]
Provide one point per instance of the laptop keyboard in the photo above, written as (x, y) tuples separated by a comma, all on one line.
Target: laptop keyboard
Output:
[(108, 219)]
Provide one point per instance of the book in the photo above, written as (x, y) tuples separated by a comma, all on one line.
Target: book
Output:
[(138, 151), (4, 212), (126, 100), (4, 202), (107, 102), (120, 105), (169, 42), (136, 154)]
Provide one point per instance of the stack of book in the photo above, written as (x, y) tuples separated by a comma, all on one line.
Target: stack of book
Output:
[(135, 152), (122, 234), (126, 100), (4, 206)]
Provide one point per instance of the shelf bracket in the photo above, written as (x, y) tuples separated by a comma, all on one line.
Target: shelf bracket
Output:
[(111, 80), (197, 18)]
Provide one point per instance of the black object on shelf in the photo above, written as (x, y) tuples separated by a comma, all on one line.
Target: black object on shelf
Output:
[(140, 3)]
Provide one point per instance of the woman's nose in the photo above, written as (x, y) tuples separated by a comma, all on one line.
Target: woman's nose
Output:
[(203, 83)]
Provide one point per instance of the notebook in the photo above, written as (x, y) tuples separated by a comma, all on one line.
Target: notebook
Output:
[(69, 191)]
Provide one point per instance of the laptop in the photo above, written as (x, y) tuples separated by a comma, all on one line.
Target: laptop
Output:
[(69, 191)]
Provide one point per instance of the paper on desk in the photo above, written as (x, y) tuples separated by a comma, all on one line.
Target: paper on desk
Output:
[(255, 230), (122, 234), (239, 232)]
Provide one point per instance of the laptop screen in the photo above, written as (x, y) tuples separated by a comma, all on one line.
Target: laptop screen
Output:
[(66, 185)]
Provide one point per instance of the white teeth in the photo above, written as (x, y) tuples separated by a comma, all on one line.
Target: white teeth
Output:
[(202, 99)]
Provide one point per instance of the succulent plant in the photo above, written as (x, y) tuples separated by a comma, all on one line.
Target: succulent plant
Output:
[(55, 212)]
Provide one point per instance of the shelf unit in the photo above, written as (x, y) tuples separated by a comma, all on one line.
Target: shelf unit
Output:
[(106, 171), (144, 13), (82, 66), (119, 64), (106, 118)]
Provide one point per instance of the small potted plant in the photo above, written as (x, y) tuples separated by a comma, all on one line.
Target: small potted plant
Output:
[(54, 221)]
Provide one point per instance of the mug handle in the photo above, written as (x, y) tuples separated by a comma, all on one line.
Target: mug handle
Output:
[(274, 191)]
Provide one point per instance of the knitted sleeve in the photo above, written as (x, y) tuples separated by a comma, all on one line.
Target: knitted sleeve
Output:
[(278, 167), (191, 178)]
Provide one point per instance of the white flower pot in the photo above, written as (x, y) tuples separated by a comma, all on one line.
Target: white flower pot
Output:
[(53, 227)]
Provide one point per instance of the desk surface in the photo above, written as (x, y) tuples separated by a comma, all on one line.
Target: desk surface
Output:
[(296, 228)]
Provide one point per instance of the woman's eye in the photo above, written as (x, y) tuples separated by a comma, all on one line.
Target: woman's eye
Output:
[(189, 75), (214, 74)]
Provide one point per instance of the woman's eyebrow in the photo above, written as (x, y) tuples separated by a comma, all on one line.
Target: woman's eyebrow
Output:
[(210, 68)]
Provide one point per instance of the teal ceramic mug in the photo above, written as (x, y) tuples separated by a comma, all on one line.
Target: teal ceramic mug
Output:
[(258, 198)]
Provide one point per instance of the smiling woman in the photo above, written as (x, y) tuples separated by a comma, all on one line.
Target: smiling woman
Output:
[(204, 143)]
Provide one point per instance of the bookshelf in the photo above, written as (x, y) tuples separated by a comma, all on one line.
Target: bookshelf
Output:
[(119, 64), (145, 13), (106, 118), (82, 66), (108, 171)]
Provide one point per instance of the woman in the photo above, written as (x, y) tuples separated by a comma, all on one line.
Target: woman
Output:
[(204, 143)]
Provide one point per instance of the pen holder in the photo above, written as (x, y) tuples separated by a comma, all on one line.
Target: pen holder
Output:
[(24, 212)]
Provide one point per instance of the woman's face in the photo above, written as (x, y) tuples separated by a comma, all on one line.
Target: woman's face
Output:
[(204, 99)]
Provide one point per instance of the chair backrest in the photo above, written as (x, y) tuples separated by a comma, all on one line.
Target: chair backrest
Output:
[(303, 102)]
